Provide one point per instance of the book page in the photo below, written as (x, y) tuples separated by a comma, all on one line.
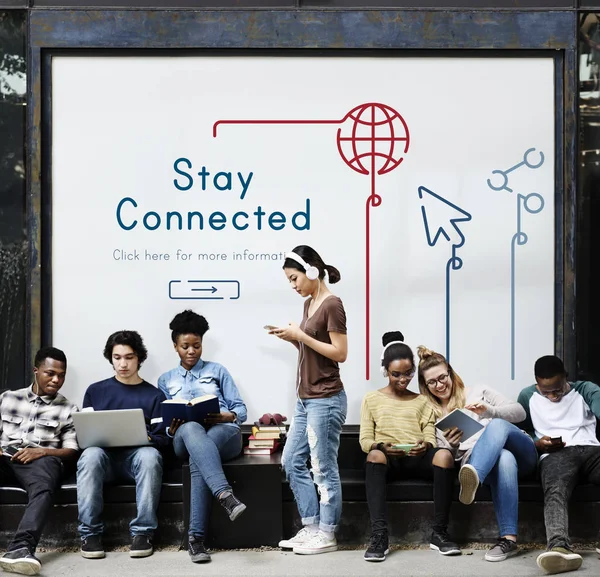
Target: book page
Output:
[(202, 399)]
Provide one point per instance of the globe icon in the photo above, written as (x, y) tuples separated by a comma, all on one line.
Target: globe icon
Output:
[(373, 138)]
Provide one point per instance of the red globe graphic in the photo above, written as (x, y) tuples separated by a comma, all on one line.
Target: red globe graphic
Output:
[(373, 138)]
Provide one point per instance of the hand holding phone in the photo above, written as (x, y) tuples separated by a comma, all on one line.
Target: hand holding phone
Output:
[(403, 447), (548, 444), (9, 451)]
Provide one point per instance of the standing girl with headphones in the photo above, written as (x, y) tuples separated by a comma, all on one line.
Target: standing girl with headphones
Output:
[(321, 407)]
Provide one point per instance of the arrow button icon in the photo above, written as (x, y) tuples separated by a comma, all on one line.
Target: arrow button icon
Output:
[(211, 289), (204, 289)]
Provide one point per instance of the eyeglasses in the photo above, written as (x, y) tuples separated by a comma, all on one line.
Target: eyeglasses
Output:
[(435, 383), (398, 375)]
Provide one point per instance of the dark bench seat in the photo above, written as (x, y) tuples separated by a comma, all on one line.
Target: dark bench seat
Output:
[(256, 481), (260, 483), (410, 507), (172, 488), (353, 489)]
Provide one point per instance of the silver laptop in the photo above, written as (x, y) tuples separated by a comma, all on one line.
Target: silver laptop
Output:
[(108, 429)]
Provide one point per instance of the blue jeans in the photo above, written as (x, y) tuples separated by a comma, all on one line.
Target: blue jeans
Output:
[(315, 433), (206, 449), (143, 465), (500, 456)]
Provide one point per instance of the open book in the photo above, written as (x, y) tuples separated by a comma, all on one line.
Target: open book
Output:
[(194, 410)]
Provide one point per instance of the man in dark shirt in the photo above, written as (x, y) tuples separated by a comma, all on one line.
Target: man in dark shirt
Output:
[(36, 435), (126, 352)]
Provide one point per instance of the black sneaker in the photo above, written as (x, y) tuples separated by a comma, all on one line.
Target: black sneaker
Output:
[(378, 548), (20, 561), (232, 505), (440, 541), (141, 546), (197, 550), (91, 547), (502, 550)]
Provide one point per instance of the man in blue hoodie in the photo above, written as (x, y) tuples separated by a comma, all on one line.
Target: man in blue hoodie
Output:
[(561, 417), (126, 352)]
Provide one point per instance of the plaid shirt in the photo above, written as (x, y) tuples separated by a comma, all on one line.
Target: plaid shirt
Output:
[(29, 420)]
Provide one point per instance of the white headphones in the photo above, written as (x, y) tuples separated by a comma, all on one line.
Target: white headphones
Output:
[(382, 369), (312, 272)]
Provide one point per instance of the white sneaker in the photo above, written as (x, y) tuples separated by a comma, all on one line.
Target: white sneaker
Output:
[(318, 543), (559, 560), (299, 538), (469, 483)]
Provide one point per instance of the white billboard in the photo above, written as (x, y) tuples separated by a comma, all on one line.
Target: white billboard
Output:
[(180, 182)]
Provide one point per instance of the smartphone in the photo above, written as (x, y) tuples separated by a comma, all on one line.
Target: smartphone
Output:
[(556, 440), (402, 447), (270, 327), (10, 451)]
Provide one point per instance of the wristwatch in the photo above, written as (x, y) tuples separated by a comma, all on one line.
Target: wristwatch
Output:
[(381, 447)]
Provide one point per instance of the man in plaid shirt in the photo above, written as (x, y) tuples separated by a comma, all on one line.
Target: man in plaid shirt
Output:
[(36, 435)]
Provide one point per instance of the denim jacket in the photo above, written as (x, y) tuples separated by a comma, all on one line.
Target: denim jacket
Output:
[(205, 378)]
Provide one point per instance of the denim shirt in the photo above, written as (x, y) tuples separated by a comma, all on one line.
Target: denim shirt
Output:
[(205, 378)]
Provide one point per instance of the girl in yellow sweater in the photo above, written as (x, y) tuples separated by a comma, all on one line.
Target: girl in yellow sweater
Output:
[(394, 416)]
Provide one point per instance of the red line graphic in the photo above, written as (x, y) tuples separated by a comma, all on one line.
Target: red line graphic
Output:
[(380, 145)]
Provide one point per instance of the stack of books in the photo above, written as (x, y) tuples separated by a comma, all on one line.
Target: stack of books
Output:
[(265, 439)]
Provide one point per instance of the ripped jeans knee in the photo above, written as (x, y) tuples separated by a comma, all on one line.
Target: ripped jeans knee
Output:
[(315, 436)]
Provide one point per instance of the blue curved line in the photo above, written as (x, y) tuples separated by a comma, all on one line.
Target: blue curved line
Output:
[(448, 268), (454, 262), (519, 239), (513, 244), (462, 236)]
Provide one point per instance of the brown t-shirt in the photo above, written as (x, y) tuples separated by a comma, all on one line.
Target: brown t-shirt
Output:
[(319, 376)]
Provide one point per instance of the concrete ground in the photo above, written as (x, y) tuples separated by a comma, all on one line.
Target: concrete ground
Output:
[(404, 563)]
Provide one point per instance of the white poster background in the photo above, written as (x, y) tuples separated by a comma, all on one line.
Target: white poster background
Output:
[(119, 123)]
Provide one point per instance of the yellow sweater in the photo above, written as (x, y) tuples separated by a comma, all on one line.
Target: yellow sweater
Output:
[(387, 420)]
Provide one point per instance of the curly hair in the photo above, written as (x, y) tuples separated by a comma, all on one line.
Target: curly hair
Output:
[(49, 353), (396, 352), (188, 323)]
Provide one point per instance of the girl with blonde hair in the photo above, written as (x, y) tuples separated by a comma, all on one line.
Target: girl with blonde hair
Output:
[(497, 455)]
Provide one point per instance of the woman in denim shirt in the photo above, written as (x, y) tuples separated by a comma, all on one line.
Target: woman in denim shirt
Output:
[(208, 445)]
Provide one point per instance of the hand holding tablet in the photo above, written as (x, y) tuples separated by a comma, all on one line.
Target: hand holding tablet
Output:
[(462, 421)]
